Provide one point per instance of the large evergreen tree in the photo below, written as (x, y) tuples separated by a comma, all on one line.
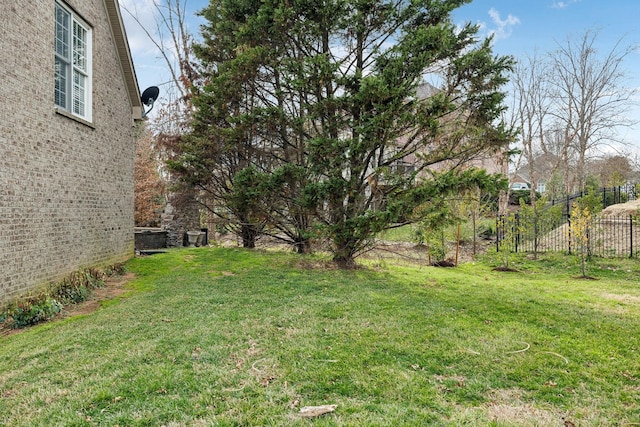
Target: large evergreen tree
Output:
[(316, 103)]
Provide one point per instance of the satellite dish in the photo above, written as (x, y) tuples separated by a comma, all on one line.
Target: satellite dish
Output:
[(148, 97)]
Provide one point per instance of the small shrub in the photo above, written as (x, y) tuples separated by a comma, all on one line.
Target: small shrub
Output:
[(32, 310), (507, 234), (77, 286), (436, 247), (43, 306), (115, 270), (487, 230), (518, 197), (579, 232)]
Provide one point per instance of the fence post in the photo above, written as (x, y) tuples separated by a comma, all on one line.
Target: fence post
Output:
[(516, 225), (569, 232), (630, 236), (498, 233)]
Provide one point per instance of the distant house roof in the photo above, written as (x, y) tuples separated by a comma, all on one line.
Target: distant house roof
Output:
[(544, 166), (124, 54), (426, 90)]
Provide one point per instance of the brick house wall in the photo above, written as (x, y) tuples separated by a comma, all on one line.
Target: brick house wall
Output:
[(66, 187)]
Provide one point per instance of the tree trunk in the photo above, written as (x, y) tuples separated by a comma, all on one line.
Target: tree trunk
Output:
[(344, 262), (303, 245), (249, 235), (343, 253)]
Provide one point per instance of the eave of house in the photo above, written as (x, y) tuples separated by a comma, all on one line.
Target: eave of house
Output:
[(124, 54)]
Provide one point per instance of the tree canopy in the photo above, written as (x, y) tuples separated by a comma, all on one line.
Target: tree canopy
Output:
[(313, 119)]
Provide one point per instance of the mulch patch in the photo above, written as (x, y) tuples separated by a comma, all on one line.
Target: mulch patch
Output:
[(507, 269)]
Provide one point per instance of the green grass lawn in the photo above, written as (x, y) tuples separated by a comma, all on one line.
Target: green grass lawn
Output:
[(228, 337)]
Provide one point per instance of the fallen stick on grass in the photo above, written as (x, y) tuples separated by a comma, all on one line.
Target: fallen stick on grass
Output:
[(556, 354), (316, 411), (520, 351)]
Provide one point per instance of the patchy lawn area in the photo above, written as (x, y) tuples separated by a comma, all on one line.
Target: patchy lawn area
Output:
[(229, 337)]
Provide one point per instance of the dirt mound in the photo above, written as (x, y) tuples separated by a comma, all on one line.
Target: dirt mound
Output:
[(623, 209)]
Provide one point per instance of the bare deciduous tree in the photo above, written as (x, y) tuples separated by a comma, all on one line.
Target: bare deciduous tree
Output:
[(172, 117), (149, 187), (612, 170), (174, 43), (568, 105), (589, 96), (531, 110)]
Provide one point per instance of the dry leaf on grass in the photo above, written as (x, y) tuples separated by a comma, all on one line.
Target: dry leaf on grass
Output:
[(264, 382)]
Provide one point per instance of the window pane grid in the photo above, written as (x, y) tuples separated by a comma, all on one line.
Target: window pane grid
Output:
[(62, 32), (72, 72), (79, 46), (60, 94), (78, 93)]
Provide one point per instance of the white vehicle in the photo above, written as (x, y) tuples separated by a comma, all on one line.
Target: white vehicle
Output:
[(520, 186)]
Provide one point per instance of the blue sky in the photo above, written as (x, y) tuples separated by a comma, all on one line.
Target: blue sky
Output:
[(520, 27)]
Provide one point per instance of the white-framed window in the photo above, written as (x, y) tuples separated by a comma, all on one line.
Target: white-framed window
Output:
[(541, 187), (72, 63)]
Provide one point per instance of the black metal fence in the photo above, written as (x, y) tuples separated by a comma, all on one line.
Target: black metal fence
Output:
[(608, 195), (550, 231), (607, 236)]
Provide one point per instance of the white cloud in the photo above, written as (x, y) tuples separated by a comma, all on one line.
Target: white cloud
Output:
[(563, 4), (504, 27)]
